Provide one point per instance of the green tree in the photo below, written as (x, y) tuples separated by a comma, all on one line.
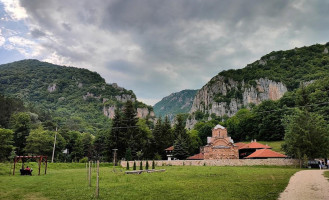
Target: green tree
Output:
[(167, 133), (128, 155), (21, 124), (130, 123), (87, 142), (180, 148), (242, 126), (179, 129), (102, 145), (8, 106), (77, 150), (306, 134), (268, 116), (6, 141), (195, 142), (204, 130), (40, 142), (134, 166)]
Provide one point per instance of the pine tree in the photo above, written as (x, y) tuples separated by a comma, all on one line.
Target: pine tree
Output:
[(117, 139), (127, 165), (180, 148), (180, 127), (128, 154), (147, 165), (153, 165), (130, 122), (134, 167), (141, 166)]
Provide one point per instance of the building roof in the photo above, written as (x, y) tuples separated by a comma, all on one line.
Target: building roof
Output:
[(255, 145), (266, 153), (219, 126), (199, 156), (170, 148), (239, 144)]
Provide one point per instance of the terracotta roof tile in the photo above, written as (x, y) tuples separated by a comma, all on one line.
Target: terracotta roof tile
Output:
[(255, 145), (170, 148), (199, 156), (239, 144), (266, 153)]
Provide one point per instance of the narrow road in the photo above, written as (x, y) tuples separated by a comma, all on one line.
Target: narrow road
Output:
[(307, 185)]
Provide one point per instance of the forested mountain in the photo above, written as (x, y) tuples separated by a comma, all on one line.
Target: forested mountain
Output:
[(266, 79), (175, 103), (77, 98)]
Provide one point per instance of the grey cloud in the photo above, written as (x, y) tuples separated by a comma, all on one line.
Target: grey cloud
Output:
[(179, 43), (36, 33)]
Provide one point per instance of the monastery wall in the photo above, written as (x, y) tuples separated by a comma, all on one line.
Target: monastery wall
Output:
[(221, 162)]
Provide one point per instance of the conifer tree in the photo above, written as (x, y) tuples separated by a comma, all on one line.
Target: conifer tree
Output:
[(180, 148), (130, 122), (141, 166), (167, 133), (153, 165), (117, 139), (134, 167), (147, 165), (179, 128), (127, 165)]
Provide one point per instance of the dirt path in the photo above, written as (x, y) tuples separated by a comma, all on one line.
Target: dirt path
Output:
[(307, 185)]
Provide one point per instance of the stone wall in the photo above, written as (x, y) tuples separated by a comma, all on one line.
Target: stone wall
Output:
[(222, 162)]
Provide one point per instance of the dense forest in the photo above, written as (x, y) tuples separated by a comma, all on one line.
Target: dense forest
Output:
[(74, 97), (290, 67)]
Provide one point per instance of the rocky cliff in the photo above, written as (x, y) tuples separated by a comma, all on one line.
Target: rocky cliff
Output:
[(222, 97), (265, 79)]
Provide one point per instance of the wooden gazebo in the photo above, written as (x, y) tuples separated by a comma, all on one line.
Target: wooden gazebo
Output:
[(40, 159)]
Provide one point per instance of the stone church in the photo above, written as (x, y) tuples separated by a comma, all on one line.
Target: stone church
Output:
[(220, 146)]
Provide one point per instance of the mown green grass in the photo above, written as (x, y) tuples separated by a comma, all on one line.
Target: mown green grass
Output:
[(178, 182), (326, 174)]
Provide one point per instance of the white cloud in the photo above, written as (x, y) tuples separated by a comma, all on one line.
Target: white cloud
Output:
[(13, 8), (2, 39)]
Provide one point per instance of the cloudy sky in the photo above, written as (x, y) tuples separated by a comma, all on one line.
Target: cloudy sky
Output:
[(157, 47)]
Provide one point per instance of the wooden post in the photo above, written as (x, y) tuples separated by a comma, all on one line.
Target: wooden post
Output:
[(87, 171), (39, 163), (97, 180), (46, 166), (14, 166), (89, 174)]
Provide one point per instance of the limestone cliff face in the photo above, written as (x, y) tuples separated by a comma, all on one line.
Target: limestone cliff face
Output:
[(224, 96), (141, 112)]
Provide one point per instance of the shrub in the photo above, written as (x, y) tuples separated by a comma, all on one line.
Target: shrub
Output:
[(153, 165), (141, 166), (127, 165), (147, 165), (83, 160), (134, 167)]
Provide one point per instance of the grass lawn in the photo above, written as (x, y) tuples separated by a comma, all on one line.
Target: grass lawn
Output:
[(326, 174), (178, 182)]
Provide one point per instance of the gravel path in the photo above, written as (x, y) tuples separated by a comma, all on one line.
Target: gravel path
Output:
[(307, 185)]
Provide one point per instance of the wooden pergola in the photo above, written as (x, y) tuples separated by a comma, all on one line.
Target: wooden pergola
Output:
[(40, 159)]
